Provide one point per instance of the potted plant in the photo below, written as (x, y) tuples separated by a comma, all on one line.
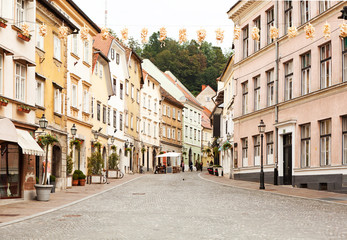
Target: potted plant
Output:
[(52, 182), (43, 190), (113, 162), (3, 22), (23, 108), (3, 102), (95, 165), (226, 146), (143, 150), (82, 179), (23, 37), (75, 179)]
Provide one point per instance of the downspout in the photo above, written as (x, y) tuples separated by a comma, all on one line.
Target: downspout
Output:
[(276, 99)]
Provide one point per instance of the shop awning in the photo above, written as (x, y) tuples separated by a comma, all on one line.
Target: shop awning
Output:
[(8, 131), (6, 50), (169, 154), (28, 144)]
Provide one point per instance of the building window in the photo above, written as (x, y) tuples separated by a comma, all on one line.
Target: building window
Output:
[(155, 130), (126, 119), (194, 134), (138, 96), (86, 51), (117, 58), (121, 122), (57, 100), (305, 11), (75, 44), (199, 118), (92, 106), (132, 121), (109, 116), (174, 113), (179, 135), (127, 87), (112, 53), (199, 132), (344, 140), (256, 141), (191, 133), (164, 131), (20, 16), (324, 5), (186, 131), (344, 59), (245, 97), (173, 134), (96, 68), (101, 70), (115, 119), (270, 148), (179, 115), (305, 73), (137, 124), (164, 110), (245, 41), (325, 142), (305, 145), (149, 103), (98, 111), (1, 72), (20, 81), (256, 93), (57, 48), (270, 87), (40, 89), (155, 105), (168, 111), (244, 152), (121, 91), (114, 86), (258, 25), (325, 65), (74, 96), (270, 22), (132, 91), (104, 114), (39, 38), (168, 132), (288, 17), (288, 81), (86, 101)]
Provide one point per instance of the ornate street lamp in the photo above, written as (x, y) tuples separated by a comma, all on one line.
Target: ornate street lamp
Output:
[(73, 130), (228, 136), (96, 135), (43, 122), (112, 140), (261, 128)]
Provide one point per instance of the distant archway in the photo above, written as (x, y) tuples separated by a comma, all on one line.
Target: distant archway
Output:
[(56, 161), (104, 156)]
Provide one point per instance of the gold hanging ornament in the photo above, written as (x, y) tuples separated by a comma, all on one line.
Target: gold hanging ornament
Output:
[(104, 33), (124, 32), (343, 30), (62, 32), (237, 32), (162, 36), (326, 30), (201, 35), (309, 31), (274, 32), (84, 33), (292, 32), (43, 30), (182, 35), (25, 30), (255, 33), (219, 35), (144, 33)]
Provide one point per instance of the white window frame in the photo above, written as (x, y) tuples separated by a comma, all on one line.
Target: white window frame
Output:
[(288, 15), (164, 131), (257, 23), (57, 100), (137, 96), (126, 119), (39, 39), (325, 142), (305, 8), (96, 68), (288, 81), (164, 110), (270, 16), (270, 87), (132, 91), (305, 73), (127, 87), (344, 140), (244, 152), (325, 66), (179, 135), (179, 115), (174, 113), (132, 122), (86, 51), (20, 81), (20, 12), (173, 134), (245, 97), (101, 69), (74, 44), (86, 101), (305, 145), (57, 47), (148, 125), (269, 148), (168, 132), (324, 5), (256, 143), (74, 95), (155, 130), (344, 59), (40, 93), (256, 81), (168, 111), (245, 39)]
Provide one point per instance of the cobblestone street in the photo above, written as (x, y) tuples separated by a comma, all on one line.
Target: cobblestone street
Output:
[(184, 206)]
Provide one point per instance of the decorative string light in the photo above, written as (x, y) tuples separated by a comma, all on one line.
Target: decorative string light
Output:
[(84, 33), (219, 35), (25, 30), (144, 33), (255, 33), (292, 32), (343, 30), (237, 32), (162, 36), (62, 32), (125, 33), (43, 30), (104, 33), (182, 35), (274, 33), (309, 31), (326, 30), (201, 35)]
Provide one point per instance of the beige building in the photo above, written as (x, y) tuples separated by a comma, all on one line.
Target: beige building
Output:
[(205, 97)]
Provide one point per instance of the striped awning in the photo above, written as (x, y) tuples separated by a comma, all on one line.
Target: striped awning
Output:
[(28, 144)]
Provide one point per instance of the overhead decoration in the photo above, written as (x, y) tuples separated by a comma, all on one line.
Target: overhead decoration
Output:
[(125, 33), (144, 33), (255, 33), (201, 35), (274, 32), (104, 33), (162, 36), (25, 30), (62, 32), (343, 30), (84, 33), (326, 30), (237, 32), (182, 35), (43, 30), (219, 35), (292, 32), (309, 31)]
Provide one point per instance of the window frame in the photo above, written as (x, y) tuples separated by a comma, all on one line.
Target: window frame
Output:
[(56, 44), (104, 112), (344, 59), (57, 100), (86, 52), (245, 41), (114, 118), (326, 136), (256, 150), (344, 140), (305, 71), (326, 61), (257, 23), (270, 87), (269, 145), (98, 111), (288, 80), (74, 92), (270, 22), (257, 97), (39, 38), (244, 143), (324, 5), (288, 15), (244, 97), (305, 14), (20, 81), (305, 155)]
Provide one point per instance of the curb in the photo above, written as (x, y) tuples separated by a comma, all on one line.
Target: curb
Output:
[(275, 193), (64, 206)]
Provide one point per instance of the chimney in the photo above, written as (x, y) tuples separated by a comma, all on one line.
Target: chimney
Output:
[(203, 87)]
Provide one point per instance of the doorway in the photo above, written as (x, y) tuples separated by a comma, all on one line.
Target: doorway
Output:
[(147, 159), (287, 159), (56, 161)]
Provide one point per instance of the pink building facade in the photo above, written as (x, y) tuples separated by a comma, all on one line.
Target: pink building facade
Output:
[(298, 87)]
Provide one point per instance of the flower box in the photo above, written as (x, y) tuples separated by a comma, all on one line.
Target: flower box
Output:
[(3, 22), (24, 109), (23, 37), (3, 102)]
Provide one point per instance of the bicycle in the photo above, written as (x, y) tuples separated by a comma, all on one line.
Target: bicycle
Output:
[(103, 177), (119, 174)]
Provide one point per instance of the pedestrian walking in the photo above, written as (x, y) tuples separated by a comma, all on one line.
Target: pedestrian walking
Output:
[(191, 165), (201, 165), (182, 165)]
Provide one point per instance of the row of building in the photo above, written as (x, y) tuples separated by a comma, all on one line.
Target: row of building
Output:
[(93, 91), (297, 86)]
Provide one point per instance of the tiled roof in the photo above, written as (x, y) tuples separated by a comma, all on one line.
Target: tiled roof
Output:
[(205, 120), (170, 98), (102, 45)]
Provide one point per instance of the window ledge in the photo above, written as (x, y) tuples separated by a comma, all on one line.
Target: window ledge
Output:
[(86, 64), (85, 113), (40, 107), (75, 56), (57, 114), (74, 108)]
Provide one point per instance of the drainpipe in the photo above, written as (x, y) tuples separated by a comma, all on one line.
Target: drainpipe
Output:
[(276, 100)]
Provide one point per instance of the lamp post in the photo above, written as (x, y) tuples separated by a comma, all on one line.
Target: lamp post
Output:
[(43, 122), (261, 128), (231, 160), (73, 130)]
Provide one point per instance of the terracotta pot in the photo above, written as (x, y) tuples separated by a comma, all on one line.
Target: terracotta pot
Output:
[(3, 25), (3, 103), (25, 38), (82, 182), (75, 182)]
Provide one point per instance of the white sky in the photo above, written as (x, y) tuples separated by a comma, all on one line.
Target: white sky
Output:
[(172, 14)]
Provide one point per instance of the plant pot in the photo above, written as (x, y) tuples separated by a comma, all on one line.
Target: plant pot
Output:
[(96, 179), (112, 174), (25, 38), (43, 192), (75, 182), (3, 103), (82, 182), (220, 172), (69, 181)]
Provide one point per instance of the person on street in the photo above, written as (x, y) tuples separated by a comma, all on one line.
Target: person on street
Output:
[(191, 165), (182, 165)]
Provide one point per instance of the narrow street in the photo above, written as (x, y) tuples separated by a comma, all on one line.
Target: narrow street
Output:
[(185, 206)]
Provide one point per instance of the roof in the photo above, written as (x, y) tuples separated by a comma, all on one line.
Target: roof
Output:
[(234, 5), (226, 67), (207, 112), (170, 98), (207, 86), (205, 120), (144, 72), (102, 45)]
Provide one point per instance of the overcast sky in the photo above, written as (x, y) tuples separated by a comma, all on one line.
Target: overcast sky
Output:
[(172, 14)]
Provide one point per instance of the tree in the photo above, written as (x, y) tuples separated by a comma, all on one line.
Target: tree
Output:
[(47, 140)]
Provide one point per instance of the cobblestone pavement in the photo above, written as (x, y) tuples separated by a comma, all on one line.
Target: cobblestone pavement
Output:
[(184, 206)]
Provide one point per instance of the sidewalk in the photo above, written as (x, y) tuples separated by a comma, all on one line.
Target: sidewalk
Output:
[(286, 190), (18, 210)]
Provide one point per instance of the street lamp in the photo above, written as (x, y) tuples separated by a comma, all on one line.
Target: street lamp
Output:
[(343, 13), (112, 140), (231, 160), (43, 122), (261, 128), (96, 135), (73, 130)]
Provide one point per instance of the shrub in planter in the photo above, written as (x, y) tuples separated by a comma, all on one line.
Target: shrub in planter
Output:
[(75, 179), (113, 161), (95, 165), (82, 179)]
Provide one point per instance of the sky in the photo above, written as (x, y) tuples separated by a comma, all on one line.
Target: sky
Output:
[(172, 14)]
